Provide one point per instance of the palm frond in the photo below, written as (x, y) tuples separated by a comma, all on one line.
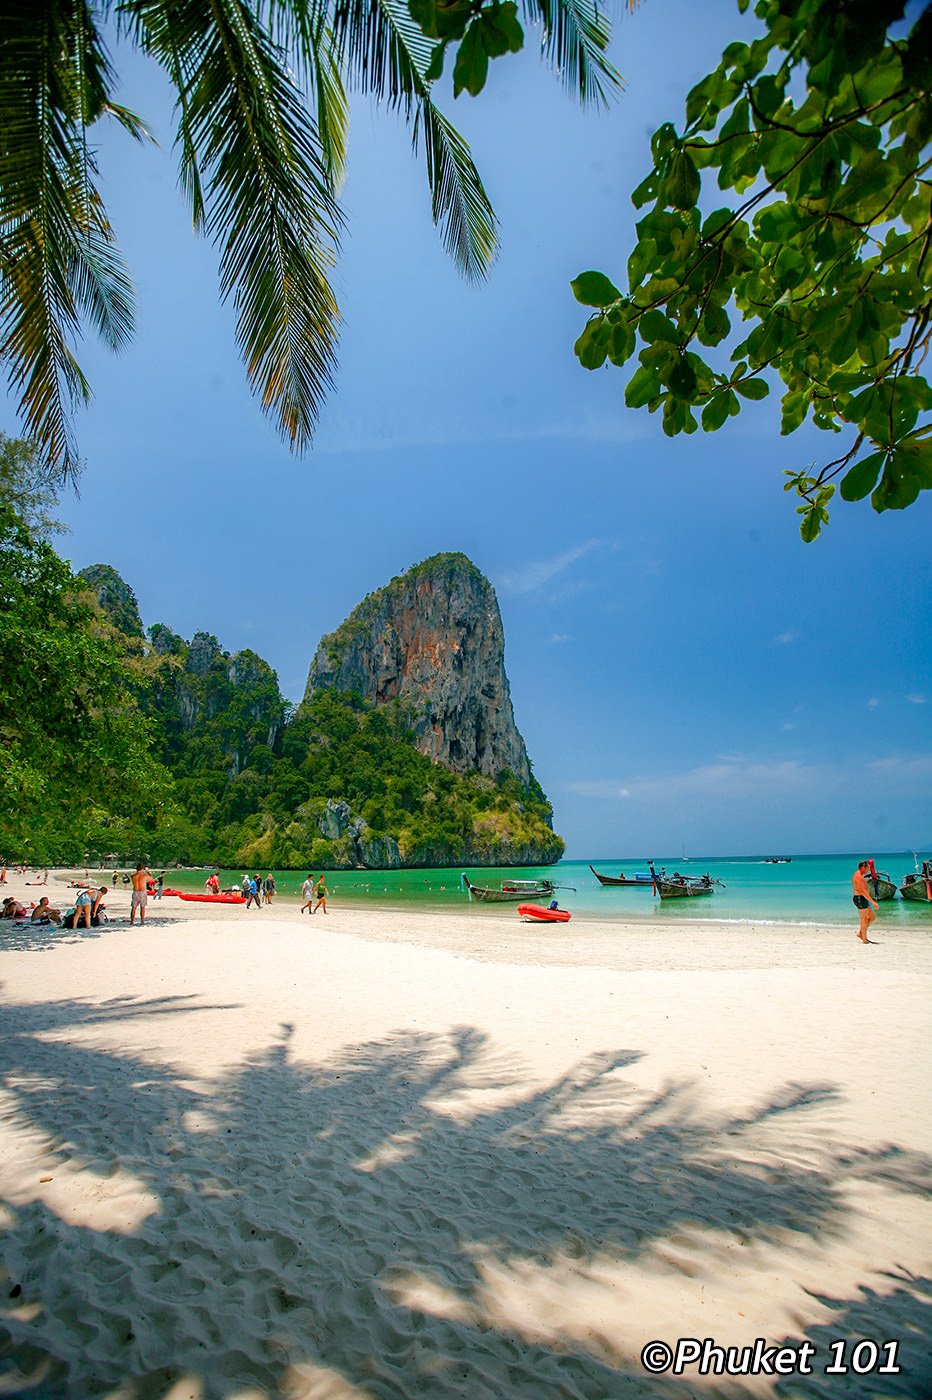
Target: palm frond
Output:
[(460, 205), (386, 54), (58, 259), (268, 202), (332, 110), (302, 28), (575, 37)]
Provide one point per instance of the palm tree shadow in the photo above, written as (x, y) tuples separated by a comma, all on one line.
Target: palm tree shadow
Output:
[(342, 1221)]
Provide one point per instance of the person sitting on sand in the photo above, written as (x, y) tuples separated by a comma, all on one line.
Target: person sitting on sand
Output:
[(13, 909), (44, 913), (321, 893), (862, 900)]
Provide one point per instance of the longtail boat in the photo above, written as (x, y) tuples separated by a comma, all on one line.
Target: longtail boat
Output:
[(880, 884), (677, 886), (918, 886), (510, 891), (639, 880)]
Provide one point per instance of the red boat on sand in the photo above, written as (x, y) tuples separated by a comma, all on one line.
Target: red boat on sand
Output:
[(542, 915), (212, 898)]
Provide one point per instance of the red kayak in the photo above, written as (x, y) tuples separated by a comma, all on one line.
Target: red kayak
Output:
[(213, 898), (544, 916)]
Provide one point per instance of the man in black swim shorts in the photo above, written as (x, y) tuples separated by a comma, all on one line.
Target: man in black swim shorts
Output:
[(862, 900)]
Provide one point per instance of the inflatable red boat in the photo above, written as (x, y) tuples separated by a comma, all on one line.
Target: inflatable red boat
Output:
[(544, 916), (213, 898)]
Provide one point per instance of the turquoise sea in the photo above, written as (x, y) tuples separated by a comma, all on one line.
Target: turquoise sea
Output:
[(809, 890)]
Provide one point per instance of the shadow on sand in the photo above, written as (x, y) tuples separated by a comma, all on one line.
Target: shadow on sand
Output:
[(331, 1231)]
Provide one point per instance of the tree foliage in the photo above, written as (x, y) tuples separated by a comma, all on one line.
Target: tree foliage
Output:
[(76, 768), (262, 151), (26, 488), (821, 127)]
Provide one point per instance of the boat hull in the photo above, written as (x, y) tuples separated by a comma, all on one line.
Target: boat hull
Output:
[(881, 889), (506, 896), (621, 881), (918, 890), (667, 890), (544, 916), (213, 898)]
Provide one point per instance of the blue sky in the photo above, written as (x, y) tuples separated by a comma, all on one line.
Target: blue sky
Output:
[(684, 670)]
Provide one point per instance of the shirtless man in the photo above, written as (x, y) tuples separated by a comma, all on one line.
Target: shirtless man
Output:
[(862, 899), (138, 897)]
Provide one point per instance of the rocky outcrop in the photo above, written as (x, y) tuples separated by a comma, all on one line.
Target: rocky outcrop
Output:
[(432, 640), (115, 597)]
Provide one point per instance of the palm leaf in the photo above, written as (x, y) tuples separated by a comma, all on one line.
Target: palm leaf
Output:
[(268, 202), (58, 259), (387, 54), (575, 38)]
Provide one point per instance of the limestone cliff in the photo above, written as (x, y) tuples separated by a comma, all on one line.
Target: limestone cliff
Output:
[(115, 597), (432, 639)]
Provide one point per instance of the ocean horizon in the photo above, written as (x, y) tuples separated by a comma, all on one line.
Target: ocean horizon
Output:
[(809, 889)]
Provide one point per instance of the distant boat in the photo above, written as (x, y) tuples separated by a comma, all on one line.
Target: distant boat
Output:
[(639, 879), (918, 886), (778, 860), (677, 886), (881, 884), (510, 891)]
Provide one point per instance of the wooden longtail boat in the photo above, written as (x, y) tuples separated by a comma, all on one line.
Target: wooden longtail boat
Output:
[(677, 886), (880, 884), (918, 886), (638, 881), (510, 891)]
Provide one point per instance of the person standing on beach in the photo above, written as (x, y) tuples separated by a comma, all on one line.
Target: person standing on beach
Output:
[(139, 883), (307, 894), (321, 893), (253, 894), (268, 888), (862, 900), (160, 885)]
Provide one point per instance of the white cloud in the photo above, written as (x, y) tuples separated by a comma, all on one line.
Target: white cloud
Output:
[(873, 702), (559, 637), (916, 698), (760, 779), (537, 575), (783, 639)]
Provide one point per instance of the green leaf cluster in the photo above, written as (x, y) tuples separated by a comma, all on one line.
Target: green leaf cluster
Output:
[(77, 770), (823, 255)]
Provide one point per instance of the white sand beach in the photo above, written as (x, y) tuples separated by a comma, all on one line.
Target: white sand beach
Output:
[(377, 1154)]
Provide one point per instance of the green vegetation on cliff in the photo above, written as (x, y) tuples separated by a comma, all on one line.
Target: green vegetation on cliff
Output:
[(179, 752), (349, 788)]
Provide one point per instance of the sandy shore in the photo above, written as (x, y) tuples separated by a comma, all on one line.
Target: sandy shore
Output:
[(382, 1154)]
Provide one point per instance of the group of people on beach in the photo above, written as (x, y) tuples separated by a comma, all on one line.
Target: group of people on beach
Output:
[(88, 908), (314, 894)]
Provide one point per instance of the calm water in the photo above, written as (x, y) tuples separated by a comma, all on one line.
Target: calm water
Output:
[(812, 889)]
